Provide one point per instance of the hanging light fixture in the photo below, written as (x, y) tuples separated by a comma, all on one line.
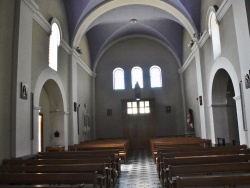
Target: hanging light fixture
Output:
[(133, 21)]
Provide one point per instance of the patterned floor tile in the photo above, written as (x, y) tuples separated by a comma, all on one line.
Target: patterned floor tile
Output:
[(139, 171)]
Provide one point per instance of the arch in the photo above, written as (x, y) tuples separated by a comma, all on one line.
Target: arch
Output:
[(214, 31), (155, 76), (211, 9), (83, 26), (49, 78), (224, 107), (54, 42), (223, 63), (118, 79), (137, 76), (44, 76), (169, 47)]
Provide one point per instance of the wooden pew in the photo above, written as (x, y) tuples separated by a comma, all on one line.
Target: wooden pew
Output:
[(122, 150), (115, 151), (56, 161), (199, 160), (167, 149), (77, 156), (107, 161), (48, 178), (104, 175), (157, 143), (104, 144), (214, 180), (205, 169), (42, 186), (204, 152), (116, 161), (113, 154)]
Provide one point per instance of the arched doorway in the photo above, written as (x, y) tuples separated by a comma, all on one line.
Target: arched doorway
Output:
[(52, 111), (224, 108)]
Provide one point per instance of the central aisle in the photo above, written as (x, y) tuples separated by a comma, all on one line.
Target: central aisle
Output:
[(139, 172)]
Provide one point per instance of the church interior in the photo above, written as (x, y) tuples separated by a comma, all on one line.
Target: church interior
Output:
[(137, 76)]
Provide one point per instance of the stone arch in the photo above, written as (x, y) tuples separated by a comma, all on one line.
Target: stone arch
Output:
[(83, 26), (49, 84), (224, 66)]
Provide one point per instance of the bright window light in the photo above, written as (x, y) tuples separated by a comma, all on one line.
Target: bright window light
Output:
[(137, 76), (214, 31), (118, 79), (155, 76), (54, 42)]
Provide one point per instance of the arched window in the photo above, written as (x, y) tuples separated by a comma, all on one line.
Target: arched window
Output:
[(155, 76), (214, 32), (54, 42), (118, 79), (137, 76)]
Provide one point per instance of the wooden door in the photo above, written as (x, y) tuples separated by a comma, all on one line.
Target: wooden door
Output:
[(139, 123)]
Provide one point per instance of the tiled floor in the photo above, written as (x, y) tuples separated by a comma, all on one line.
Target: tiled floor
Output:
[(139, 171)]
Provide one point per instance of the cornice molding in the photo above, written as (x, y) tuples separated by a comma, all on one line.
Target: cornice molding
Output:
[(189, 59), (80, 62), (226, 4), (237, 98), (37, 108), (59, 112), (31, 4), (85, 67), (40, 19), (203, 38), (219, 105), (65, 46)]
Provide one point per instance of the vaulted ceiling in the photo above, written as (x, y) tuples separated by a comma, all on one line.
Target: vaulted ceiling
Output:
[(105, 21)]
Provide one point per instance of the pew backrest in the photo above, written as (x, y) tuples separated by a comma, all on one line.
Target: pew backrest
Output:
[(219, 180), (48, 178)]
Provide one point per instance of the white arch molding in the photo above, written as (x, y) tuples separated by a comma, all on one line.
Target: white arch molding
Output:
[(48, 74), (82, 28), (167, 46), (224, 63)]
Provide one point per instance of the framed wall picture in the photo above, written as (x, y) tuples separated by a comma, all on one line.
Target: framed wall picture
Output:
[(247, 80), (24, 91)]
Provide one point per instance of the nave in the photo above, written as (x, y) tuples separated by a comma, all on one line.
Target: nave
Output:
[(139, 171)]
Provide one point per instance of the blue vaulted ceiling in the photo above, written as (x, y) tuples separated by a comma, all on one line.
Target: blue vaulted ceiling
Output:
[(114, 24)]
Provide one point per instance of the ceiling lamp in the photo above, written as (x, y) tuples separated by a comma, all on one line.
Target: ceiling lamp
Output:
[(133, 21)]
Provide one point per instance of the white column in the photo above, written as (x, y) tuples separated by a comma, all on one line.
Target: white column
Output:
[(94, 106), (21, 108), (200, 93), (73, 127), (242, 132), (243, 44), (34, 131), (212, 132), (66, 129), (183, 100)]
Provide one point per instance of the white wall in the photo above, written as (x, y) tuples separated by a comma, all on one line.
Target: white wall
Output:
[(143, 52), (7, 9)]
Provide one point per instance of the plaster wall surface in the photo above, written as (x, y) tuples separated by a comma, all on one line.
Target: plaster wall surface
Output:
[(7, 9), (144, 53), (85, 96), (55, 9), (191, 95)]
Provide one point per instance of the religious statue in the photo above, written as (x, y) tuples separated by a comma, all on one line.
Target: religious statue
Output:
[(137, 91), (86, 127)]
